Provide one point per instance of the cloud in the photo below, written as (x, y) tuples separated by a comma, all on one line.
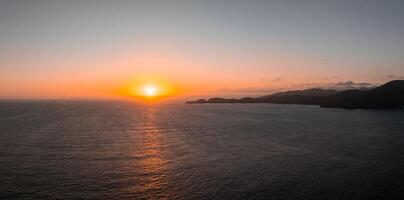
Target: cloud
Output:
[(353, 84), (342, 85), (346, 83), (306, 85), (271, 79), (276, 79)]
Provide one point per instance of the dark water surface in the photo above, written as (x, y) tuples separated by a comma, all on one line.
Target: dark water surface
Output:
[(117, 150)]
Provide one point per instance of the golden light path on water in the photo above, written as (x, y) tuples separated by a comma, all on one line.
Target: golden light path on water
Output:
[(152, 164)]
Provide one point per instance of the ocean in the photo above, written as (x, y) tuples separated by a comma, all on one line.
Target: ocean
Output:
[(123, 150)]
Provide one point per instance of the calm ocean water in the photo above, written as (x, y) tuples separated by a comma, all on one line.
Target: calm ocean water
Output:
[(118, 150)]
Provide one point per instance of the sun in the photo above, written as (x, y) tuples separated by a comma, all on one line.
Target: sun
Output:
[(150, 90)]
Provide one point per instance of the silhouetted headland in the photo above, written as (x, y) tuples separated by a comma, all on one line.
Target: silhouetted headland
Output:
[(387, 96)]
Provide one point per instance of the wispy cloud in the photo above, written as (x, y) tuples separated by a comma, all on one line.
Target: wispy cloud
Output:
[(276, 79), (342, 85), (353, 84)]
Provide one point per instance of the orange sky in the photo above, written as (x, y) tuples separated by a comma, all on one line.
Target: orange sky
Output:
[(76, 50), (107, 73)]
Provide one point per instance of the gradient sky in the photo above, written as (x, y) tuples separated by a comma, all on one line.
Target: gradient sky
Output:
[(91, 49)]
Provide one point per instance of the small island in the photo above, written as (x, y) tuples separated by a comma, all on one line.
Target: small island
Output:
[(387, 96)]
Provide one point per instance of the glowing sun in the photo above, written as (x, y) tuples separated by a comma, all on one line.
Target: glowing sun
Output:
[(150, 90)]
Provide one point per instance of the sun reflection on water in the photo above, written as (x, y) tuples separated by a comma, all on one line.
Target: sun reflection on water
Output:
[(152, 167)]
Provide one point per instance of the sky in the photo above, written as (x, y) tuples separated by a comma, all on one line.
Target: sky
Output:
[(95, 49)]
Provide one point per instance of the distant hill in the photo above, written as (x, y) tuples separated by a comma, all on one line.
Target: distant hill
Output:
[(312, 96), (387, 96), (308, 92), (345, 99)]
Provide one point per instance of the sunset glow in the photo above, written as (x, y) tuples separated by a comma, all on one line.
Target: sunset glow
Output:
[(77, 51), (150, 90)]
